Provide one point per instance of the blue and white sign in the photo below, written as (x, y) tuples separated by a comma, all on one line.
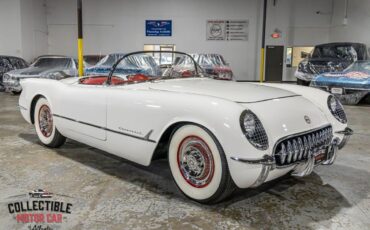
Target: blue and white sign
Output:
[(158, 28)]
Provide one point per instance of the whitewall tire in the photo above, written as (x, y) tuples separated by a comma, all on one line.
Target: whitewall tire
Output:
[(198, 164), (45, 126)]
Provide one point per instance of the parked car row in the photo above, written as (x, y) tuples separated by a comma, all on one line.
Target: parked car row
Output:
[(58, 67), (342, 69)]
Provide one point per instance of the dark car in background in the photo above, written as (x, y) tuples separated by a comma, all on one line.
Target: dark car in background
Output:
[(329, 58), (8, 63)]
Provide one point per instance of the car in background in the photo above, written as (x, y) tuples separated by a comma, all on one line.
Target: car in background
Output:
[(213, 65), (52, 67), (91, 60), (8, 63), (138, 64), (349, 86), (328, 58)]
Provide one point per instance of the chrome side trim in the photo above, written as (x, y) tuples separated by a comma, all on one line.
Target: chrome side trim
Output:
[(145, 138), (270, 99)]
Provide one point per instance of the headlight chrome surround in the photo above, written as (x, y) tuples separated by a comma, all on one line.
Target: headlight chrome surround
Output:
[(336, 109), (253, 130)]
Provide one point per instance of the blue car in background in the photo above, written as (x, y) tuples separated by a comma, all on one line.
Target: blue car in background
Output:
[(350, 85), (137, 64)]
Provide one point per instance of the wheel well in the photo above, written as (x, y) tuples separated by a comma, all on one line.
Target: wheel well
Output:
[(161, 150), (32, 108)]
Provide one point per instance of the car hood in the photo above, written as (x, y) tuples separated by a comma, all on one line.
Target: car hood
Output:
[(234, 91), (33, 71)]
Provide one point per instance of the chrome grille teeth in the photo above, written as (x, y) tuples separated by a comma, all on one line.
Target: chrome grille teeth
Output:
[(318, 139), (306, 147), (310, 145), (283, 153), (301, 148), (313, 140), (290, 152), (296, 150)]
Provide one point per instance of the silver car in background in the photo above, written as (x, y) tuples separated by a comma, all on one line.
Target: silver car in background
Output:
[(52, 67)]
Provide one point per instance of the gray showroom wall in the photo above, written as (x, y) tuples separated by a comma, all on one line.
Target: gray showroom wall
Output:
[(358, 27), (10, 27), (23, 28), (118, 25)]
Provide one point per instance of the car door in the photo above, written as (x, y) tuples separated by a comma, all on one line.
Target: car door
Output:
[(83, 110)]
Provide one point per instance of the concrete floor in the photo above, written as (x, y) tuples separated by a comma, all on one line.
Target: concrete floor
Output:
[(110, 193)]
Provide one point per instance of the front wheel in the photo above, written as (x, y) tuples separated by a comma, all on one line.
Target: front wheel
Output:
[(45, 127), (198, 165)]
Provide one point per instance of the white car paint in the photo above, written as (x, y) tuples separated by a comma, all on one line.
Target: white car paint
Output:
[(144, 111)]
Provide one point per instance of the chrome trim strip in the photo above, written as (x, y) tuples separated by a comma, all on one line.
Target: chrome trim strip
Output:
[(145, 138), (347, 132), (270, 99), (266, 160)]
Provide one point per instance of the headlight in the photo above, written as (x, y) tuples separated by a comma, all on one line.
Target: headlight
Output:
[(253, 130), (336, 109), (56, 76)]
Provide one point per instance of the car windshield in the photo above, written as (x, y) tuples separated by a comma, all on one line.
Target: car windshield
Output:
[(110, 59), (141, 66), (360, 66), (337, 52), (53, 63), (209, 60)]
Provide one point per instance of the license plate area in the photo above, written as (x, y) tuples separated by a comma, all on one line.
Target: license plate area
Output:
[(337, 91), (320, 156)]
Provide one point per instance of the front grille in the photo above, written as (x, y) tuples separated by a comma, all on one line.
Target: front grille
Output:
[(301, 146)]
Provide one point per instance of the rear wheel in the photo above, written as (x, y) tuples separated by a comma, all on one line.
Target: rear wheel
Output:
[(45, 127), (198, 165)]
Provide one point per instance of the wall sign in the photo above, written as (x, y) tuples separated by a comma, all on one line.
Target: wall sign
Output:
[(227, 30), (158, 28)]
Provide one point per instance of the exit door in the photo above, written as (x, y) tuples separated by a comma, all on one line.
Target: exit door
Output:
[(274, 63)]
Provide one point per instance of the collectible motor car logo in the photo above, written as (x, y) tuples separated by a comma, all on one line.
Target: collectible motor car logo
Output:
[(38, 211), (307, 119)]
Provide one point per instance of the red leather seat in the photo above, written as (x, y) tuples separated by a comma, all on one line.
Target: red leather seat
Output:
[(100, 80)]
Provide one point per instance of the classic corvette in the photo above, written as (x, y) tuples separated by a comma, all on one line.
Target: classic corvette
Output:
[(213, 65), (331, 57), (135, 64), (350, 85), (217, 135), (52, 67)]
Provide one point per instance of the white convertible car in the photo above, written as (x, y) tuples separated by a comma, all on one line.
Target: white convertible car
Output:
[(217, 135)]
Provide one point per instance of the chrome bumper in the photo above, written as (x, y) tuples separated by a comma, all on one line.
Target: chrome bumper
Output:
[(301, 168)]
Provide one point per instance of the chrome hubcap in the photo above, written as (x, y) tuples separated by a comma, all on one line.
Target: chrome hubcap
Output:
[(195, 161), (45, 121)]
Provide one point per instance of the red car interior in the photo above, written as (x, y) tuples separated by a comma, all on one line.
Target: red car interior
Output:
[(100, 80)]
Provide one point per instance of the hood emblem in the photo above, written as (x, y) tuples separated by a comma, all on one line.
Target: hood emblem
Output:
[(307, 119)]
